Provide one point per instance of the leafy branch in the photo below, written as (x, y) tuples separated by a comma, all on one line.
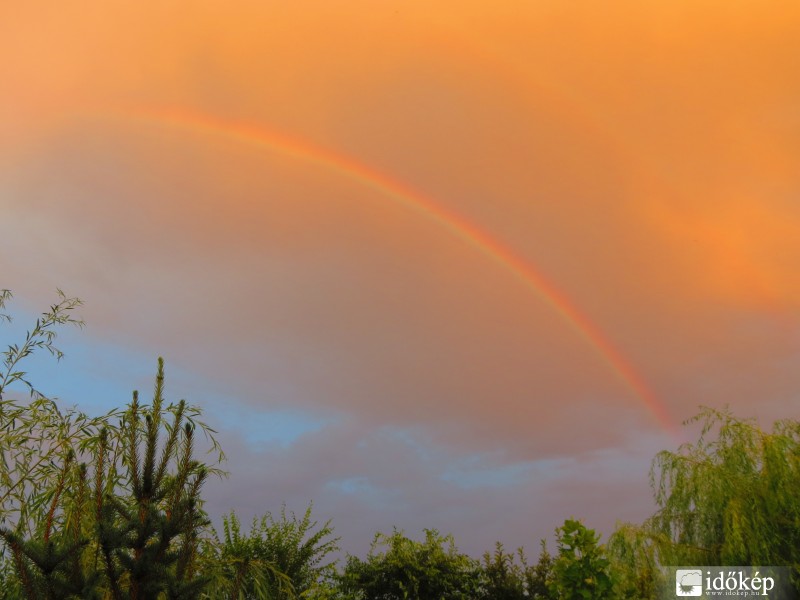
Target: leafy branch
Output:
[(41, 337)]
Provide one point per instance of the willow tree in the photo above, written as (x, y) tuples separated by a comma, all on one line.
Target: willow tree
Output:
[(732, 497), (635, 571), (38, 436)]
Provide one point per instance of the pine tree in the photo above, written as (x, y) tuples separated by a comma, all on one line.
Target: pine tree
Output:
[(148, 539)]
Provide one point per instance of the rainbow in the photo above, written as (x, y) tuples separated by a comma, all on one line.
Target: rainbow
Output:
[(525, 271)]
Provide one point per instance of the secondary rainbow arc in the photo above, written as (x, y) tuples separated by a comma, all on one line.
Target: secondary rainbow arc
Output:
[(524, 270)]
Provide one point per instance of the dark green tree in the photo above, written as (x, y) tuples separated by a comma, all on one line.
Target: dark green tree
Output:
[(149, 513)]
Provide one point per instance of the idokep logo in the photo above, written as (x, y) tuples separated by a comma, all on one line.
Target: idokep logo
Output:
[(688, 582), (740, 582), (712, 581)]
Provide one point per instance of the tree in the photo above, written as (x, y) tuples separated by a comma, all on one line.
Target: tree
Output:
[(149, 513), (730, 498), (399, 568), (580, 570)]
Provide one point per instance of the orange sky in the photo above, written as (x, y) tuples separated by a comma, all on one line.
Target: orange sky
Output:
[(642, 155)]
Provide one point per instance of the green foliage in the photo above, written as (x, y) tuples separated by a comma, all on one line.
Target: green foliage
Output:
[(110, 507), (282, 557), (508, 576), (38, 437), (41, 337), (399, 568), (234, 570), (635, 571), (503, 576), (580, 570), (539, 576), (730, 498), (148, 524), (133, 530)]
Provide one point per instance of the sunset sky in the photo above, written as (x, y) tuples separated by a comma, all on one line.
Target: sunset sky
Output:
[(463, 265)]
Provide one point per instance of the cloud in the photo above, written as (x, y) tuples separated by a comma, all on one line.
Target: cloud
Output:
[(642, 157), (374, 479)]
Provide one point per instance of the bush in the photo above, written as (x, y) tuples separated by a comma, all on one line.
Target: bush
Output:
[(399, 568), (580, 570), (280, 557)]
